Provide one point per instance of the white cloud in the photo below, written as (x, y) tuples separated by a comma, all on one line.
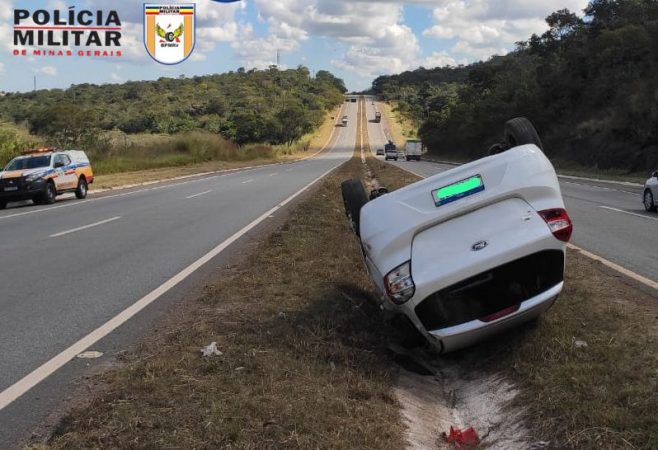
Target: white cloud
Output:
[(371, 35), (255, 52), (50, 71), (483, 28), (440, 59)]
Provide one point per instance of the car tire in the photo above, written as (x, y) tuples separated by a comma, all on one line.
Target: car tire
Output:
[(354, 197), (408, 159), (81, 190), (520, 131), (649, 201), (3, 205), (49, 195)]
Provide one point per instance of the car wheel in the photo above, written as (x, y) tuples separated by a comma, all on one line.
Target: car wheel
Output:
[(354, 197), (3, 205), (520, 131), (649, 203), (81, 191), (50, 194)]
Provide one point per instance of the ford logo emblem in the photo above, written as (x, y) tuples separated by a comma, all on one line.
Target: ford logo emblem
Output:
[(479, 246)]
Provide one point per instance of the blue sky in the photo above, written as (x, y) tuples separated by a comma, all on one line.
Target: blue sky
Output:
[(356, 40)]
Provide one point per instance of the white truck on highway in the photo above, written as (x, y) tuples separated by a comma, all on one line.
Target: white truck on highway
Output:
[(413, 149)]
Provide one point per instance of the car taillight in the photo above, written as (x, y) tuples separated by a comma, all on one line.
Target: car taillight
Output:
[(559, 222), (400, 286)]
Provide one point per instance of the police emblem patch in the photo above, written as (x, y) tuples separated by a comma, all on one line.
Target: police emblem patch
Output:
[(169, 31)]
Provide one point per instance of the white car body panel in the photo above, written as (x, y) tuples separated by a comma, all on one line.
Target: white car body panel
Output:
[(407, 225)]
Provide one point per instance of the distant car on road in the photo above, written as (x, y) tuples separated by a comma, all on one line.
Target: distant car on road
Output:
[(469, 252), (380, 152), (41, 175), (651, 193), (344, 121), (391, 151)]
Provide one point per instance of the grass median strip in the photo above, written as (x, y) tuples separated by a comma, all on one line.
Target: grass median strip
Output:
[(304, 363)]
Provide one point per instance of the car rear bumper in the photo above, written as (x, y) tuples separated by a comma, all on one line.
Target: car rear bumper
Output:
[(469, 333)]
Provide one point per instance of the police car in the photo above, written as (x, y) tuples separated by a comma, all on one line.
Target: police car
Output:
[(43, 174)]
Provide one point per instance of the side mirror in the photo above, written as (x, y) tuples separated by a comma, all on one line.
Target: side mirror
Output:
[(58, 164)]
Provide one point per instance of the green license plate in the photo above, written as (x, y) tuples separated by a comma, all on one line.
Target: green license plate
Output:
[(457, 191)]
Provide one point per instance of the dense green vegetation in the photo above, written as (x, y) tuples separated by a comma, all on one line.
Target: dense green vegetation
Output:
[(590, 85), (244, 107)]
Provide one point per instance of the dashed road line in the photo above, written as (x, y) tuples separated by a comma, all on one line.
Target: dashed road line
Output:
[(85, 227)]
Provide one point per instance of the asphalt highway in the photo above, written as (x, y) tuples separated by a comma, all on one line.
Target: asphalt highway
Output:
[(609, 218), (69, 268)]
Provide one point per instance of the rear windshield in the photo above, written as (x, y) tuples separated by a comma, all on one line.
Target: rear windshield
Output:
[(33, 162)]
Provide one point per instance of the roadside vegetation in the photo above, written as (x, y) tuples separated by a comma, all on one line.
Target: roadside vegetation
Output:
[(237, 116), (305, 360), (588, 84)]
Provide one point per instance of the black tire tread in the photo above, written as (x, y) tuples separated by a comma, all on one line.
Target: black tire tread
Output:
[(354, 197), (520, 131)]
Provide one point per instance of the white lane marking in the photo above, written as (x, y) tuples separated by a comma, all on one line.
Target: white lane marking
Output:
[(274, 174), (399, 166), (593, 186), (628, 212), (15, 391), (85, 227), (199, 194), (637, 277), (248, 181), (221, 173), (598, 180)]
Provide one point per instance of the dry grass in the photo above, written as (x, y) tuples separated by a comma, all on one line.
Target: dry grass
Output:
[(400, 127), (304, 363)]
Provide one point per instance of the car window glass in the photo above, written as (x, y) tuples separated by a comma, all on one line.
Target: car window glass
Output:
[(29, 163)]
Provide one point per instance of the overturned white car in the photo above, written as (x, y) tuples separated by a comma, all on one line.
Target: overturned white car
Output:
[(472, 251)]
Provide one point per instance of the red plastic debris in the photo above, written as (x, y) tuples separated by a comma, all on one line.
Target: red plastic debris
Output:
[(462, 438)]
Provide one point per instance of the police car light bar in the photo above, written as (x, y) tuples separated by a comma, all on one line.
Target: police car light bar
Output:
[(40, 150)]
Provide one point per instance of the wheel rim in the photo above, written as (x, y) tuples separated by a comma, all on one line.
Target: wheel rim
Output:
[(51, 192), (83, 187), (648, 200)]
